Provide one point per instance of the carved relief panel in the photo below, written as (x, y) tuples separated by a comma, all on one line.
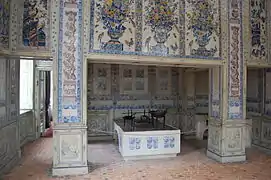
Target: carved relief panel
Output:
[(4, 23), (256, 129), (234, 141), (98, 124), (214, 139), (70, 148)]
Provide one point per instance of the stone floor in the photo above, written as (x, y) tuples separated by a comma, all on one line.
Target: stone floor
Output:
[(107, 164)]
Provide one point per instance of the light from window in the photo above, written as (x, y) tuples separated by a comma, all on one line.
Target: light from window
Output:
[(26, 84)]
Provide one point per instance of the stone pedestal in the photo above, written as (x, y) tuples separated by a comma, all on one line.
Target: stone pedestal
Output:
[(70, 151), (227, 142)]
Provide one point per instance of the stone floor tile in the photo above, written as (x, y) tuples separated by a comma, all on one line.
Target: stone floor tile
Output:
[(107, 164)]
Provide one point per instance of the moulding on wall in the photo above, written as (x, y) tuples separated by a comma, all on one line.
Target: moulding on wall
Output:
[(150, 60)]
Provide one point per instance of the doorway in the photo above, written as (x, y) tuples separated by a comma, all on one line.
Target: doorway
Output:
[(43, 96)]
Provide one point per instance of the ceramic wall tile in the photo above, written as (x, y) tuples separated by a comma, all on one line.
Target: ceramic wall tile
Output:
[(235, 62), (202, 23), (4, 23), (69, 62), (35, 32), (155, 28), (109, 99), (258, 20), (160, 27), (114, 25)]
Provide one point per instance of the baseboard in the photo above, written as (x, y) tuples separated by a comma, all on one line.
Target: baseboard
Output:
[(69, 171), (262, 148), (226, 159)]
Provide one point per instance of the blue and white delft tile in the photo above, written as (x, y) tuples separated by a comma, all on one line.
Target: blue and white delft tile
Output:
[(137, 34), (134, 143), (169, 142), (69, 119), (152, 142)]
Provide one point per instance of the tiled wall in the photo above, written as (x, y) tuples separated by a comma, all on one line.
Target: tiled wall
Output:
[(167, 28), (202, 92), (108, 98), (115, 99), (254, 91)]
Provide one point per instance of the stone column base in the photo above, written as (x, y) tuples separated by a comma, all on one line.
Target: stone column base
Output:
[(70, 151), (227, 140), (67, 171), (226, 159)]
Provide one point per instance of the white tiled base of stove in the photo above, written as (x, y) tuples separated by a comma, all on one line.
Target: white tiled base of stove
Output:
[(158, 144)]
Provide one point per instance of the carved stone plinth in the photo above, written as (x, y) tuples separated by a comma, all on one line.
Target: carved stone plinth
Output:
[(227, 141), (261, 133), (70, 151)]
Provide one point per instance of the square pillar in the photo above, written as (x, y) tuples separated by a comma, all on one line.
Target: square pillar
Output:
[(189, 102), (227, 103), (70, 130)]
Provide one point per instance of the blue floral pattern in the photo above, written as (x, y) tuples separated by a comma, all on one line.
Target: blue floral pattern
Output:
[(169, 142), (152, 142), (134, 143), (201, 20), (114, 13)]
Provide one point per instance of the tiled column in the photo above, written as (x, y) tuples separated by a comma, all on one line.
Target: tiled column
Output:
[(227, 124), (189, 102), (70, 131)]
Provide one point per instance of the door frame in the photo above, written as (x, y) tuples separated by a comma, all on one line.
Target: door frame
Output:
[(40, 65)]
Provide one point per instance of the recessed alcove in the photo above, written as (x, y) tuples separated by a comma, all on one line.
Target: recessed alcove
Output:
[(115, 91)]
